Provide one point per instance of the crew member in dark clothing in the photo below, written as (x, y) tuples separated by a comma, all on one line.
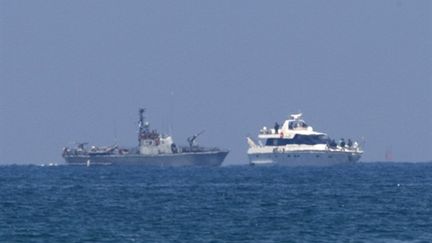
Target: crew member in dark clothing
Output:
[(333, 143), (276, 127), (342, 143)]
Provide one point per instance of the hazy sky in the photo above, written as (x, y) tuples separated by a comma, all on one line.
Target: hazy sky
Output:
[(79, 70)]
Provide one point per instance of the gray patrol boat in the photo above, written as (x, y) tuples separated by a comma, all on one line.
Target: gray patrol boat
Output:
[(153, 149)]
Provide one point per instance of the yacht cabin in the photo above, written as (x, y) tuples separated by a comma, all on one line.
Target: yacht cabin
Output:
[(293, 131)]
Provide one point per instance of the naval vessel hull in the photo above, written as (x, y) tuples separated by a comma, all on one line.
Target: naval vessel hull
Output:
[(304, 158), (209, 158)]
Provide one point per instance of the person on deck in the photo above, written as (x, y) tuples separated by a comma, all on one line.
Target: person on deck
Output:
[(276, 128)]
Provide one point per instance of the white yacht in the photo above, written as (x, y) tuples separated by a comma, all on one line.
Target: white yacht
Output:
[(296, 144)]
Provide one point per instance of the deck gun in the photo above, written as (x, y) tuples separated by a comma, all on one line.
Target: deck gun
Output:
[(191, 139)]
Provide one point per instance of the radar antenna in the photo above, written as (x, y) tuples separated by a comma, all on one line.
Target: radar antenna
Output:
[(191, 140), (296, 116)]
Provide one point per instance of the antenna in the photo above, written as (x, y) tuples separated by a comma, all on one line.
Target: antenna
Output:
[(115, 132), (140, 124), (363, 142), (171, 108)]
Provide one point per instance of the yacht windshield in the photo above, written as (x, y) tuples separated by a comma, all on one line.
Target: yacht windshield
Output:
[(297, 124)]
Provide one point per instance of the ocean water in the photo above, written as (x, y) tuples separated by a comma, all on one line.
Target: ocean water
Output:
[(366, 202)]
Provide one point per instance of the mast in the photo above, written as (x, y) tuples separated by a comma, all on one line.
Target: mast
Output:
[(140, 125)]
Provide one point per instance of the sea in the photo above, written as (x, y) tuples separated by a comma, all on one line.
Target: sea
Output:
[(364, 202)]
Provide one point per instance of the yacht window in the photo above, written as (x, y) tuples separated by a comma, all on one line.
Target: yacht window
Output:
[(299, 139)]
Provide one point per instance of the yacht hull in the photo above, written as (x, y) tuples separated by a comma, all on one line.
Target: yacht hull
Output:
[(304, 158)]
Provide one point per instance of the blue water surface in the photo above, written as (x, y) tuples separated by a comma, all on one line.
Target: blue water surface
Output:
[(366, 202)]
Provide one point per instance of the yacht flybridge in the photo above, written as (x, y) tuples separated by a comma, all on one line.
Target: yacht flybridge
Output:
[(295, 143)]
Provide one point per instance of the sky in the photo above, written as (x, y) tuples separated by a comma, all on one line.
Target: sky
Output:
[(78, 71)]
